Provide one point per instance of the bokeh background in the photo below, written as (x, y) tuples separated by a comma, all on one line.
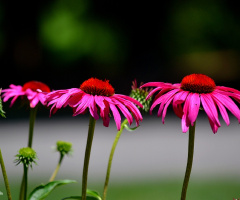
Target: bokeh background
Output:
[(62, 43)]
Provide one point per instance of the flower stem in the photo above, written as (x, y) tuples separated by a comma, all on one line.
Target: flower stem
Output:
[(189, 161), (5, 176), (33, 112), (23, 190), (111, 157), (91, 128), (57, 168)]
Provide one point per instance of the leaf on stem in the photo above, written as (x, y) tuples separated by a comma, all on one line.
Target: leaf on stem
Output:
[(42, 191), (93, 195), (130, 129)]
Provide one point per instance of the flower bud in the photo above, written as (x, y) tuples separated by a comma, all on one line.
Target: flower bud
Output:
[(64, 147), (140, 95), (26, 156)]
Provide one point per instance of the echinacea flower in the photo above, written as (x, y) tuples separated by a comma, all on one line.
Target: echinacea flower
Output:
[(35, 91), (97, 96), (194, 92)]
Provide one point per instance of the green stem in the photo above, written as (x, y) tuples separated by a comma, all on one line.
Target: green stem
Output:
[(57, 168), (91, 128), (189, 161), (33, 113), (111, 157), (21, 195), (23, 190), (5, 176)]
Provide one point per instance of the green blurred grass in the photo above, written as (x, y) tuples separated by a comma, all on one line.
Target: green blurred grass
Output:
[(212, 189)]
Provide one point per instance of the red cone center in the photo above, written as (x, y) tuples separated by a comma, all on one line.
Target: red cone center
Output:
[(98, 87), (198, 83), (35, 86)]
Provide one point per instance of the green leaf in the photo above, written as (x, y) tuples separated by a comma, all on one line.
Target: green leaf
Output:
[(94, 194), (130, 129), (79, 198), (42, 191)]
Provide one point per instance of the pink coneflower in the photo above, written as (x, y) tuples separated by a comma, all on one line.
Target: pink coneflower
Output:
[(35, 91), (194, 92), (97, 96)]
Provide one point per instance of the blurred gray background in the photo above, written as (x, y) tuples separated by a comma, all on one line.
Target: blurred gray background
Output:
[(152, 152)]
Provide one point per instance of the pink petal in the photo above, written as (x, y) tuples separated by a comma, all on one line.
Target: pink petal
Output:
[(179, 98), (93, 108), (151, 93), (116, 116), (99, 101), (194, 104), (126, 113), (185, 119), (105, 114), (116, 96), (228, 103), (166, 99), (210, 108), (83, 104), (213, 125), (154, 84), (223, 111)]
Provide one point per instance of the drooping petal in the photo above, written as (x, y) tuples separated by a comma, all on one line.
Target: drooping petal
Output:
[(166, 100), (99, 101), (213, 125), (154, 84), (34, 102), (116, 115), (210, 108), (185, 120), (152, 92), (93, 108), (194, 104), (228, 103), (178, 99), (105, 114), (125, 112), (116, 96), (223, 110), (83, 104), (75, 99), (131, 106)]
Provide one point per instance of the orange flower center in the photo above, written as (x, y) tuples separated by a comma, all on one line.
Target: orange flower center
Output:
[(198, 83), (98, 87), (35, 86)]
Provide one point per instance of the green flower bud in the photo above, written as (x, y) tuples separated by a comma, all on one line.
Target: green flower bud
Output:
[(64, 147), (26, 156), (140, 95)]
